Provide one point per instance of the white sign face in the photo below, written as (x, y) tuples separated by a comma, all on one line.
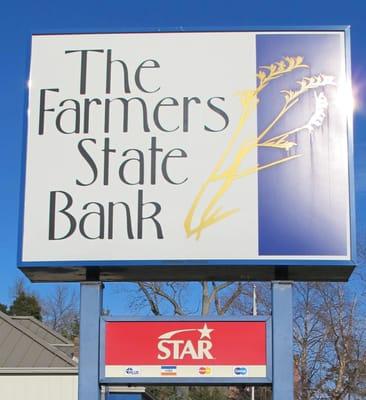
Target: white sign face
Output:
[(187, 146)]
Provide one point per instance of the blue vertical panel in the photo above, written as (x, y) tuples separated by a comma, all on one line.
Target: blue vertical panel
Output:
[(125, 396), (283, 370), (90, 310), (303, 203)]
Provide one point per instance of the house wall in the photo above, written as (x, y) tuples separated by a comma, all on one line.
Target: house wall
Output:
[(39, 387)]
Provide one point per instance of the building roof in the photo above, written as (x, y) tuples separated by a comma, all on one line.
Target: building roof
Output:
[(27, 343), (41, 330), (44, 332)]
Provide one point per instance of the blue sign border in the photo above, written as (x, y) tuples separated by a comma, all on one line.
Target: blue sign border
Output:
[(186, 381), (78, 270)]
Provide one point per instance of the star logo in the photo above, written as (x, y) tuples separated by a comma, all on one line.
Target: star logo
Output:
[(205, 332)]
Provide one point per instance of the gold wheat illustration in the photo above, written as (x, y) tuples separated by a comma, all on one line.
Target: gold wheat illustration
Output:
[(226, 172)]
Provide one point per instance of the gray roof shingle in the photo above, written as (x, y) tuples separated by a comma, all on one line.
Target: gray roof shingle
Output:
[(25, 343)]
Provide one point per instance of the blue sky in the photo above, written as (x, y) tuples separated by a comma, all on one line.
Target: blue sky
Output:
[(21, 18)]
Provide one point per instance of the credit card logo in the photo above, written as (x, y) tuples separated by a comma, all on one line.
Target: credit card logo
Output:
[(168, 370), (205, 371), (132, 371), (240, 371)]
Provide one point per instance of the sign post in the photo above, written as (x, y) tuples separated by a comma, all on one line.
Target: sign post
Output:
[(189, 156), (283, 370), (91, 300)]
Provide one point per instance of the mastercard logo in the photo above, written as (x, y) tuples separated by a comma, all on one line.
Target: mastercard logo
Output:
[(205, 371)]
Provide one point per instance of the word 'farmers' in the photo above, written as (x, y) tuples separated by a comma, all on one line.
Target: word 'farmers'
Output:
[(84, 114)]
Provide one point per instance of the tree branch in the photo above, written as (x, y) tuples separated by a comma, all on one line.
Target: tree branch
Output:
[(153, 304)]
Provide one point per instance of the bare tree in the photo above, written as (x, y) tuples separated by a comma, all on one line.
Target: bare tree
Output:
[(345, 354), (309, 341), (61, 311), (183, 298), (329, 343)]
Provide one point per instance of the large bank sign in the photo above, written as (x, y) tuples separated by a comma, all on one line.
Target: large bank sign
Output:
[(189, 149)]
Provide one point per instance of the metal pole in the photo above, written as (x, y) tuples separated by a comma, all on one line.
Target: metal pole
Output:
[(254, 313), (283, 369), (255, 300), (90, 311)]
